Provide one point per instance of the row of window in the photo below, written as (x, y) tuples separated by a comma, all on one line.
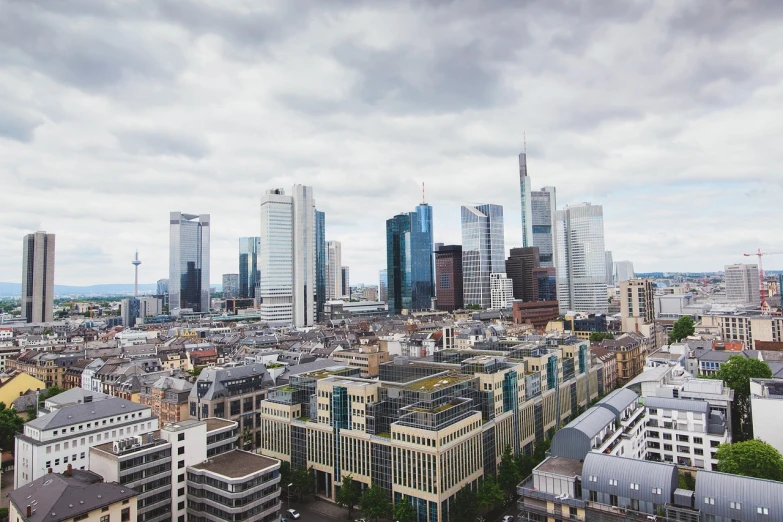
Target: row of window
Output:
[(761, 510), (632, 485)]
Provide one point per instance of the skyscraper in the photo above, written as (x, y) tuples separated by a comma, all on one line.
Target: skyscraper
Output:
[(609, 268), (334, 272), (448, 277), (130, 310), (539, 214), (742, 284), (38, 277), (162, 291), (230, 286), (409, 260), (287, 261), (519, 266), (383, 285), (189, 261), (483, 251), (637, 305), (249, 275), (581, 259), (345, 275), (623, 271), (320, 264)]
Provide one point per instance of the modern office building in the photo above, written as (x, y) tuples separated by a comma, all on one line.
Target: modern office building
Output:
[(581, 259), (609, 268), (345, 273), (334, 272), (38, 277), (519, 266), (545, 284), (623, 271), (304, 256), (448, 277), (383, 288), (230, 286), (501, 290), (539, 212), (150, 306), (637, 305), (162, 291), (409, 260), (483, 251), (320, 263), (130, 310), (276, 259), (766, 400), (189, 262), (249, 271), (742, 284)]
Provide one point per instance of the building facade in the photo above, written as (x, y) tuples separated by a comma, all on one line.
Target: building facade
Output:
[(320, 263), (345, 272), (637, 305), (539, 213), (581, 262), (304, 256), (383, 288), (742, 284), (130, 310), (609, 268), (448, 277), (189, 262), (409, 261), (230, 286), (249, 271), (483, 251), (519, 266), (38, 277), (276, 258), (501, 290), (623, 271), (334, 273)]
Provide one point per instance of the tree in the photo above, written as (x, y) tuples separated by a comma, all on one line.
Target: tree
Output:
[(374, 502), (404, 511), (32, 414), (686, 481), (751, 458), (681, 329), (348, 494), (539, 451), (50, 392), (285, 474), (10, 424), (597, 337), (525, 465), (465, 507), (303, 480), (736, 373), (509, 474), (489, 492)]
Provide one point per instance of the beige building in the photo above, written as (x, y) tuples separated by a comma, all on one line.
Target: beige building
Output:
[(367, 358), (630, 351), (746, 328), (637, 306)]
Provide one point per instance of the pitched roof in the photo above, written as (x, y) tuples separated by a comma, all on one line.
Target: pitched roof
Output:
[(85, 412)]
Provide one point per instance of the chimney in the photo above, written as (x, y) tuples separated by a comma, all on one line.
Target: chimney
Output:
[(69, 471), (49, 470), (29, 511)]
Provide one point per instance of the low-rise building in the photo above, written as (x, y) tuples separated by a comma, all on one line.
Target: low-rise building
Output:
[(630, 351), (766, 403), (609, 360), (367, 359), (168, 397)]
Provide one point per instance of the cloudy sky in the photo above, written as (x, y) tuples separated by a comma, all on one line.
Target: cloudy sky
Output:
[(114, 113)]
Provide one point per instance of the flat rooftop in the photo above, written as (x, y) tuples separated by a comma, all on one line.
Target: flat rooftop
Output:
[(182, 425), (214, 423), (436, 382), (236, 464), (561, 466)]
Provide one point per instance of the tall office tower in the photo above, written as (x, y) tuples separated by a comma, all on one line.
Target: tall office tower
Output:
[(637, 305), (539, 214), (609, 268), (276, 260), (334, 272), (304, 256), (483, 251), (230, 286), (581, 259), (383, 286), (623, 271), (189, 262), (409, 260), (448, 277), (320, 264), (346, 278), (162, 291), (501, 289), (249, 275), (130, 310), (519, 267), (38, 277), (742, 284), (545, 284)]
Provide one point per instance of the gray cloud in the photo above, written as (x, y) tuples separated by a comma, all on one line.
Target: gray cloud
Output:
[(18, 124), (167, 143)]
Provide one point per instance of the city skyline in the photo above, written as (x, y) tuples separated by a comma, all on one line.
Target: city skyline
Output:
[(166, 120)]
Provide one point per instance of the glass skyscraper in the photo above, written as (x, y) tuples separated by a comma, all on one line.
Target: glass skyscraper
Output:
[(409, 260), (249, 274), (539, 214), (581, 259), (320, 263), (383, 285), (189, 261), (483, 251)]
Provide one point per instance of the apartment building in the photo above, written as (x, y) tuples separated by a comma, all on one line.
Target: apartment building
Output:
[(167, 396), (72, 495), (630, 350), (766, 400), (425, 429), (367, 359), (746, 327), (609, 360), (63, 438), (637, 305), (45, 366)]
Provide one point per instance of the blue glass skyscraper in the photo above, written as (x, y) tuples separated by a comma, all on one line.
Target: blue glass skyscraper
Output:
[(483, 251), (249, 274), (320, 263), (189, 262), (409, 268)]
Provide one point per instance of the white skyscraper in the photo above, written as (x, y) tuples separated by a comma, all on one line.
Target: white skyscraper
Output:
[(742, 284), (276, 259), (38, 277), (609, 268), (334, 272), (189, 262), (539, 215), (501, 290), (304, 256), (623, 271), (483, 251), (581, 259)]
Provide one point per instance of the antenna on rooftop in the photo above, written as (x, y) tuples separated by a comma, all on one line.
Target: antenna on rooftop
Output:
[(524, 142), (422, 194)]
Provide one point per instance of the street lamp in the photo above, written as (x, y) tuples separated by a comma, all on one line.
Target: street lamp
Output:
[(288, 488)]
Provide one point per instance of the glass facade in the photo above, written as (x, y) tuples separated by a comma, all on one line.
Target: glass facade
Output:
[(304, 291), (275, 288), (189, 261), (249, 272), (383, 286), (397, 264), (320, 263), (410, 274), (524, 186), (483, 251), (543, 213)]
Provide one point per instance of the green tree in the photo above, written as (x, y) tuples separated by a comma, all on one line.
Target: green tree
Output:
[(489, 493), (374, 502), (681, 329), (32, 414), (509, 474), (50, 392), (686, 481), (525, 465), (303, 480), (285, 474), (10, 424), (465, 507), (473, 306), (539, 451), (597, 337), (751, 458), (736, 373), (404, 511), (348, 494)]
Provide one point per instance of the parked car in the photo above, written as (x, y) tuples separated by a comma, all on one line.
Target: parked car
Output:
[(294, 514), (508, 518)]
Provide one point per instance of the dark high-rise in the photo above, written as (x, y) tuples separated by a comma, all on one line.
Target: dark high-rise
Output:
[(409, 260), (189, 262), (448, 277), (519, 268), (320, 264), (38, 277), (249, 274), (544, 284)]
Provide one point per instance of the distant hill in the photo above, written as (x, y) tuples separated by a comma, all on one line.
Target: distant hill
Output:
[(15, 289)]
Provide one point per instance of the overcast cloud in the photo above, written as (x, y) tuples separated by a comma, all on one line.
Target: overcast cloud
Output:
[(114, 113)]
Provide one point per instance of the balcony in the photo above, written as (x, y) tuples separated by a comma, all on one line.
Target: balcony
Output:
[(526, 489)]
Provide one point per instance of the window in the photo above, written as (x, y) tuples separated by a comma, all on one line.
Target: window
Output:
[(181, 437), (180, 492), (634, 486), (593, 478), (105, 518), (181, 505), (762, 510), (612, 482), (698, 440), (709, 500), (656, 491), (181, 464), (181, 478), (125, 516), (181, 451), (735, 505), (593, 496)]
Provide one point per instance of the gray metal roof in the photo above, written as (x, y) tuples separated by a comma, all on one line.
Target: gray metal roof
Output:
[(678, 404), (624, 470), (84, 412), (575, 440), (217, 376), (751, 493), (76, 395), (618, 401)]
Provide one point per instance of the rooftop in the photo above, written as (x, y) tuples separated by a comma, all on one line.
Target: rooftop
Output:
[(214, 423), (182, 425), (437, 381), (561, 466), (237, 464), (83, 412)]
